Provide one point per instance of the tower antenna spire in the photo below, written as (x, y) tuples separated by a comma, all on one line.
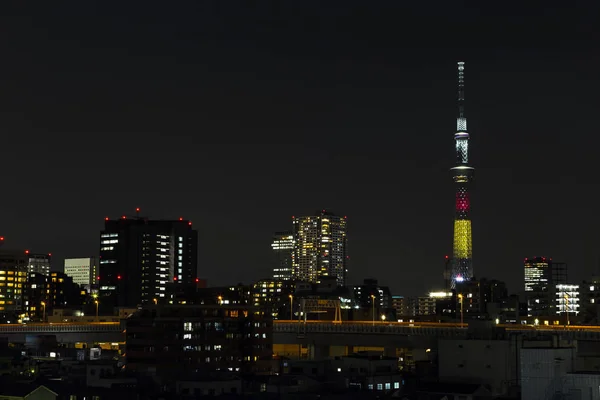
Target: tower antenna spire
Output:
[(461, 120)]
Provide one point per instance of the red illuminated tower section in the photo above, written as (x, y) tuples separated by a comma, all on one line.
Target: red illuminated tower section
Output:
[(462, 173)]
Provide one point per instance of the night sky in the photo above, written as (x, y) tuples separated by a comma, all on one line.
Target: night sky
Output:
[(240, 114)]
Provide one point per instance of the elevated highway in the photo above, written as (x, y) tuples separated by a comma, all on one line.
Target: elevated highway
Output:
[(316, 339), (66, 332), (381, 329)]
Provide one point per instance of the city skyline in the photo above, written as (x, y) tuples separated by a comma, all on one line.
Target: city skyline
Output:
[(238, 128)]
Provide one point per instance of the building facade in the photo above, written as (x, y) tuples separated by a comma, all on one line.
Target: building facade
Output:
[(13, 283), (370, 291), (39, 263), (171, 340), (140, 257), (83, 271), (541, 277), (320, 247), (283, 247), (275, 296), (462, 174)]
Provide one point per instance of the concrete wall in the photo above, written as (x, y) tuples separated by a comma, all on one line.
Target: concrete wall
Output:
[(486, 362)]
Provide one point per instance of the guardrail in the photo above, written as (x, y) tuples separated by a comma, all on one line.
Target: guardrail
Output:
[(65, 327)]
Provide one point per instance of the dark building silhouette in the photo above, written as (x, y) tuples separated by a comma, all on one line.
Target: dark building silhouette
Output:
[(37, 293), (139, 258), (370, 287), (171, 340), (63, 293)]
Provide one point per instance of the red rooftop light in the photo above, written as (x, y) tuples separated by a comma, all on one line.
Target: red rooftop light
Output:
[(181, 218), (1, 238), (137, 209), (106, 218), (98, 278), (174, 278), (197, 280), (26, 251), (118, 276), (49, 254), (124, 217), (190, 223)]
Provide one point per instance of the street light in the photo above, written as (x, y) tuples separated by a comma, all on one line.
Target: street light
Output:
[(43, 311), (460, 298), (383, 317), (96, 301), (373, 308), (291, 307)]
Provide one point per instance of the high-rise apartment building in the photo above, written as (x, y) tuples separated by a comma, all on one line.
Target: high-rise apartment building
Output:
[(84, 271), (140, 258), (13, 283), (283, 247), (542, 275), (39, 263), (567, 299), (320, 243)]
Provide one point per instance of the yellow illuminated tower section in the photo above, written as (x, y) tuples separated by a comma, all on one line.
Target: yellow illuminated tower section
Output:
[(462, 173)]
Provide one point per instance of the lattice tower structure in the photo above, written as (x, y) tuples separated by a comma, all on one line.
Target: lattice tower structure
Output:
[(462, 174)]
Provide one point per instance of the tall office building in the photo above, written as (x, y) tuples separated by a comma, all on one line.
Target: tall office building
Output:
[(542, 276), (84, 271), (13, 283), (320, 243), (39, 263), (462, 174), (283, 247), (140, 259)]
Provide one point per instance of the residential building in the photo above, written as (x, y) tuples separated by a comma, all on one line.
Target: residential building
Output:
[(140, 257), (171, 340), (369, 290), (276, 296), (63, 292), (567, 299), (13, 283), (320, 247), (37, 296)]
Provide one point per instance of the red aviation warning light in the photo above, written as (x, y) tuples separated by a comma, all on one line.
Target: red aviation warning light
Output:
[(26, 251), (118, 276), (174, 278), (124, 217), (197, 280), (181, 218)]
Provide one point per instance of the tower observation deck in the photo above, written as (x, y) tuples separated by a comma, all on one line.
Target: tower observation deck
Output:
[(462, 174)]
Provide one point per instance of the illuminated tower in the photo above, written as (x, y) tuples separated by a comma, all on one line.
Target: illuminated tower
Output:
[(462, 173)]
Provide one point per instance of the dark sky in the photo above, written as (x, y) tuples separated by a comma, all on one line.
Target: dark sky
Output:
[(240, 114)]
